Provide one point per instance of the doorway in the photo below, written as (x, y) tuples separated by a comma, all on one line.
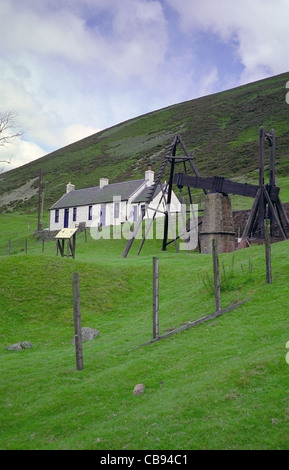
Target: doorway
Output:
[(102, 215), (66, 218)]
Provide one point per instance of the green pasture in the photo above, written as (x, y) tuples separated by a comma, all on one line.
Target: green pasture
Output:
[(221, 385)]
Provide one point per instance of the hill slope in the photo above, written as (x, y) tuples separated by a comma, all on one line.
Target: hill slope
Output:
[(221, 131), (221, 385)]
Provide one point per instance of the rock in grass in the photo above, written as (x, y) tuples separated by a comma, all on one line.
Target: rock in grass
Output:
[(19, 346), (138, 389), (88, 334)]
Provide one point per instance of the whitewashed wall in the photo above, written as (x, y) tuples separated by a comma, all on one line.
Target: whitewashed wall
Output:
[(126, 213), (82, 216)]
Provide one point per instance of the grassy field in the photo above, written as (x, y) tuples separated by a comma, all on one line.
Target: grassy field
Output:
[(221, 385)]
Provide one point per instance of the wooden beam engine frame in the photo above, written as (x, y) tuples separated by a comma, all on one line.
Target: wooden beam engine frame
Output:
[(166, 189), (266, 204)]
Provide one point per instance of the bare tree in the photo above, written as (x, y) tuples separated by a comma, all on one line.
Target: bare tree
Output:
[(2, 168), (10, 128), (6, 161)]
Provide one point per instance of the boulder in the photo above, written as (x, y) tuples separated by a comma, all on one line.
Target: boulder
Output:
[(138, 389), (88, 334), (19, 346)]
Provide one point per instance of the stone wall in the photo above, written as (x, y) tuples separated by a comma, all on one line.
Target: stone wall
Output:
[(217, 223), (45, 235), (239, 222)]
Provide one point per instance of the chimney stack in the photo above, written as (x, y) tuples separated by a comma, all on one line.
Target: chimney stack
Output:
[(103, 182), (69, 187), (150, 175)]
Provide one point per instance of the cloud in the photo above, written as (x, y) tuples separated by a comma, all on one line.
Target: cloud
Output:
[(77, 132), (67, 60), (71, 67), (209, 82), (19, 153), (259, 29), (135, 40), (48, 32), (142, 39)]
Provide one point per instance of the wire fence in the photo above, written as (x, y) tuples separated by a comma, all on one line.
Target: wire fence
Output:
[(16, 244), (67, 355)]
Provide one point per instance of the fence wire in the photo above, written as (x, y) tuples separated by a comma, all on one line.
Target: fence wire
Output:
[(15, 244)]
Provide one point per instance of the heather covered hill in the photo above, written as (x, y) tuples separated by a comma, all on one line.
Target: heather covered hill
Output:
[(220, 130)]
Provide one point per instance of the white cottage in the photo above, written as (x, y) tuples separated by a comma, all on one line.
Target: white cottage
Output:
[(107, 204)]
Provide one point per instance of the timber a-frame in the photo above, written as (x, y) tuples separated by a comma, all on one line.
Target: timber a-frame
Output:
[(170, 161), (266, 205)]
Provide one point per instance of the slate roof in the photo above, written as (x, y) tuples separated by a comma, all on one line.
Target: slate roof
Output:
[(142, 196), (97, 195)]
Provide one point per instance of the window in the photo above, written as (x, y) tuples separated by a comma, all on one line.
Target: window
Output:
[(56, 216), (116, 210), (90, 213), (74, 214)]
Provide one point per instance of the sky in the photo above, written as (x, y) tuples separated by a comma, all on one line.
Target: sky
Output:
[(70, 68)]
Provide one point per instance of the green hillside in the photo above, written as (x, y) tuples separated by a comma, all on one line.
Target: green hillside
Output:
[(221, 385), (220, 130)]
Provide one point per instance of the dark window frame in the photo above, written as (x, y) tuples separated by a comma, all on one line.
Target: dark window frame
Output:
[(116, 210)]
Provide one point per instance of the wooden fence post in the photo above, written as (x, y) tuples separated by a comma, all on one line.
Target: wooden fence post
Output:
[(268, 252), (216, 275), (155, 298), (77, 322), (26, 245)]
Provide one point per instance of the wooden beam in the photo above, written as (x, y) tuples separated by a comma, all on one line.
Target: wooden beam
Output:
[(167, 215), (273, 212), (261, 155), (155, 297), (151, 220), (77, 322), (261, 215), (268, 251), (217, 289), (132, 236), (218, 184), (190, 158), (195, 323), (282, 213), (271, 136), (252, 216)]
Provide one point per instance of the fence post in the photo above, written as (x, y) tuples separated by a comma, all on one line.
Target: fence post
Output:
[(26, 245), (216, 275), (268, 252), (77, 322), (155, 298)]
